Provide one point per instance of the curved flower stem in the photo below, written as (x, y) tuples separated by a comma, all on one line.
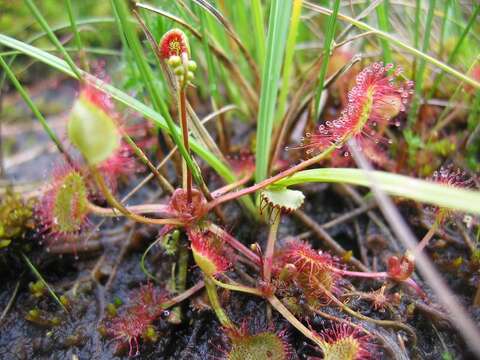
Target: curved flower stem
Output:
[(137, 209), (215, 303), (143, 157), (338, 319), (379, 275), (238, 287), (144, 255), (180, 279), (234, 243), (424, 242), (387, 323), (273, 179), (184, 125), (268, 259), (122, 209), (277, 305), (371, 275), (230, 187), (183, 296)]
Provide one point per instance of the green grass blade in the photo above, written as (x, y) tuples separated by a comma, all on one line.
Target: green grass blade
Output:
[(383, 24), (289, 52), (444, 27), (42, 280), (88, 50), (24, 94), (211, 73), (473, 143), (327, 48), (259, 31), (412, 115), (43, 23), (452, 56), (393, 184), (416, 35), (87, 21), (276, 39), (393, 40), (231, 32), (76, 33)]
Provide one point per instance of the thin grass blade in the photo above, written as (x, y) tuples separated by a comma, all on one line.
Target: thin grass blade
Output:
[(327, 48), (289, 52), (393, 184), (43, 23), (393, 40), (383, 24), (24, 94), (42, 280), (276, 40)]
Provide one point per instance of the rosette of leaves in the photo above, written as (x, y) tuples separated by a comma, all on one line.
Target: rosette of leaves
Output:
[(267, 344)]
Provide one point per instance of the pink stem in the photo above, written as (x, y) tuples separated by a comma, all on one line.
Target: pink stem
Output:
[(377, 275), (410, 282), (231, 186), (426, 239), (234, 243), (136, 209), (380, 275), (271, 180)]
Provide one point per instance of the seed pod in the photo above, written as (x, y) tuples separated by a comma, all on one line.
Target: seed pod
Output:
[(92, 130)]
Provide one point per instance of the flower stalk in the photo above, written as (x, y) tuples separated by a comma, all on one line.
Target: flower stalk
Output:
[(124, 210), (272, 238), (215, 303)]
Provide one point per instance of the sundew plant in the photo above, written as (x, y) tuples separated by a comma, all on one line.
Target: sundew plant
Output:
[(248, 179)]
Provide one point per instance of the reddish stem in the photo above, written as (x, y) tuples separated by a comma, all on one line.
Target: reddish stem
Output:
[(183, 121), (234, 243), (183, 296), (371, 275), (268, 258), (379, 275), (426, 239), (229, 187), (271, 180)]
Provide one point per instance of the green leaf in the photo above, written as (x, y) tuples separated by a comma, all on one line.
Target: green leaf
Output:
[(51, 35), (393, 40), (327, 48), (383, 24), (288, 64), (412, 116), (284, 199), (276, 39), (92, 131), (10, 74), (40, 278), (393, 184)]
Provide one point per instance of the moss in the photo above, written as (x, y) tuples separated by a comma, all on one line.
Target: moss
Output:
[(16, 219)]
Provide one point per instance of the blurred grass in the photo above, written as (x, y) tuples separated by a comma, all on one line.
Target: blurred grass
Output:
[(449, 33)]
